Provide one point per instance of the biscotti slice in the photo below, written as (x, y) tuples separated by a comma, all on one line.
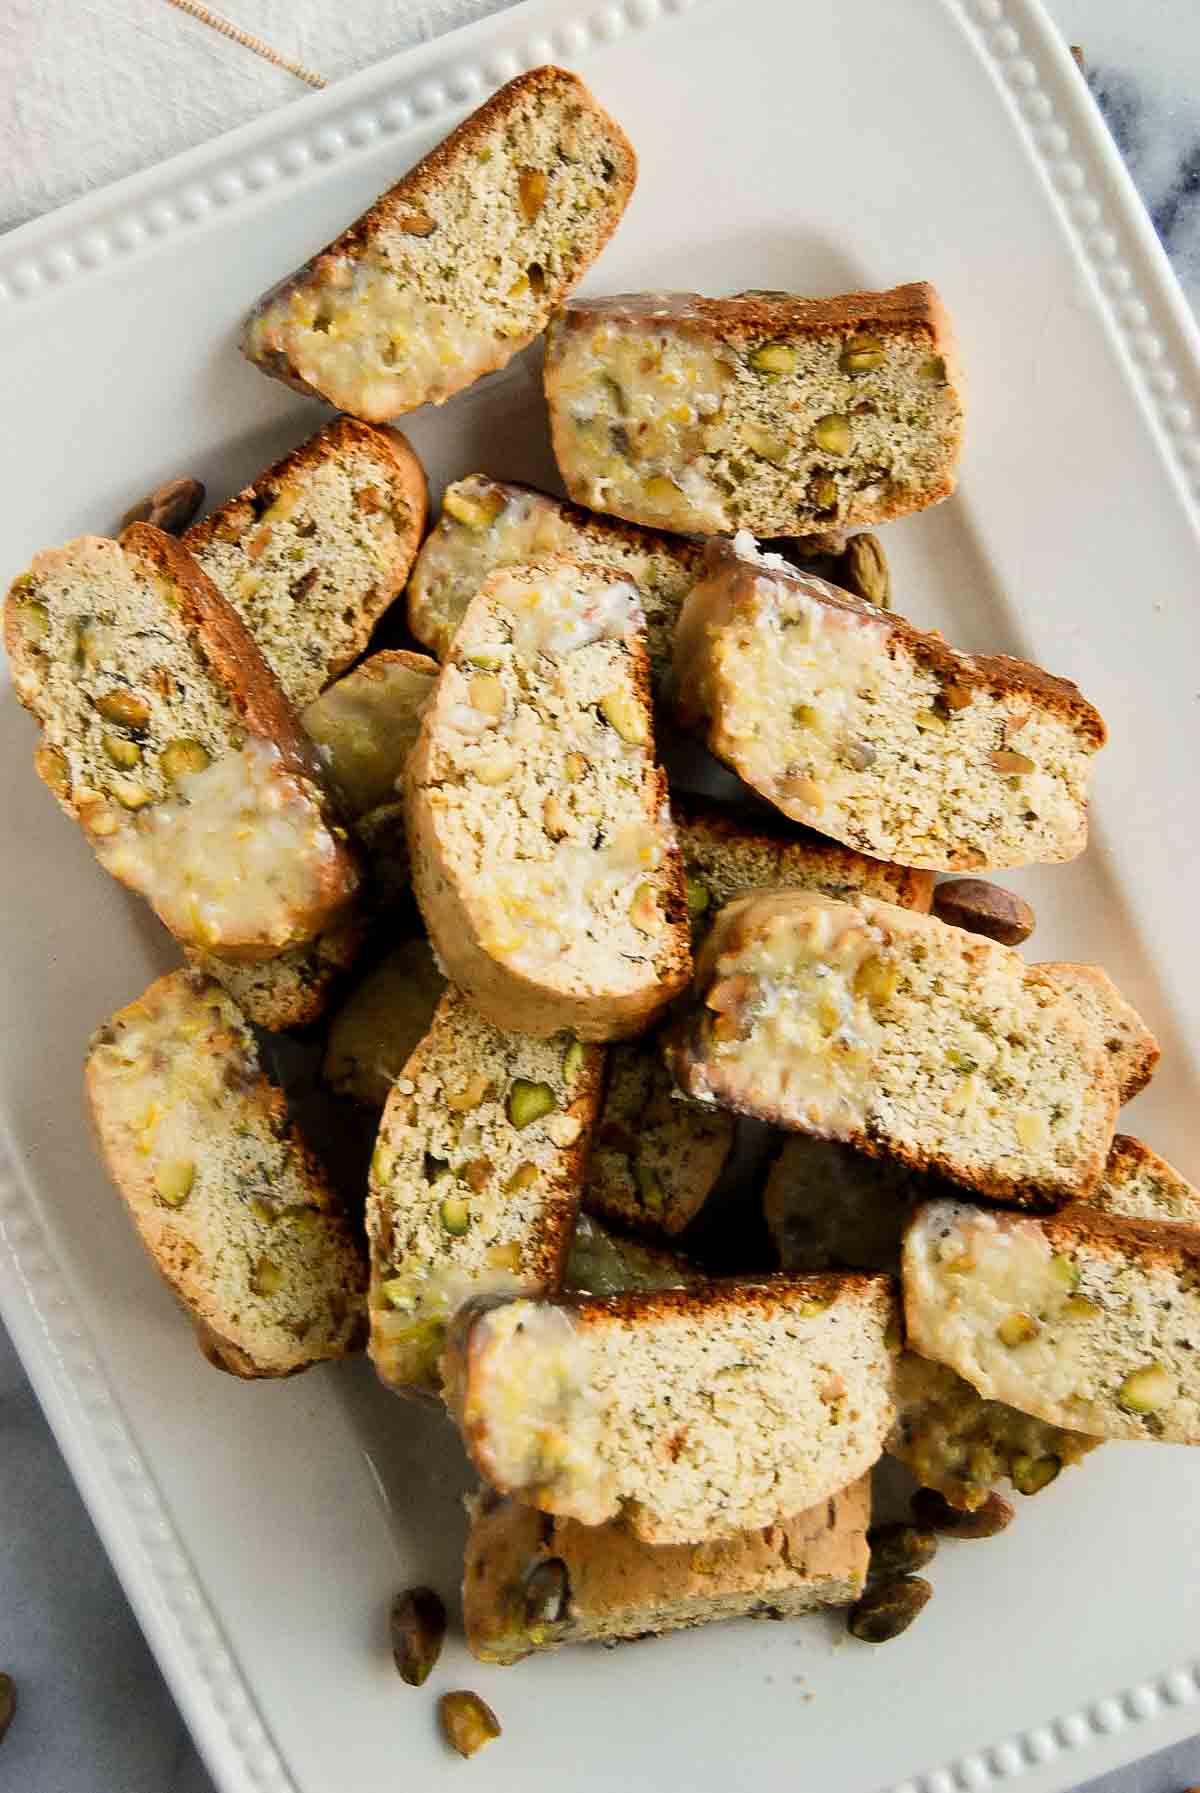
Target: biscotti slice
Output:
[(533, 1583), (952, 1439), (474, 1181), (656, 1159), (166, 736), (543, 856), (848, 719), (486, 524), (691, 1413), (293, 990), (606, 1263), (366, 725), (225, 1194), (1133, 1050), (900, 1035), (1080, 1318), (460, 264), (1139, 1185), (725, 854), (782, 415), (381, 1024), (313, 552)]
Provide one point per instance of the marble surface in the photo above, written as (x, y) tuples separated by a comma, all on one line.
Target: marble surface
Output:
[(94, 1714)]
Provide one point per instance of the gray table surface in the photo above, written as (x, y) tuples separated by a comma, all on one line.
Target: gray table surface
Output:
[(94, 1715)]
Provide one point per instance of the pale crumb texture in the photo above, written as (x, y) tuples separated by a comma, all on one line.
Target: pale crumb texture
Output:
[(474, 1181), (366, 725), (829, 1207), (725, 854), (693, 1414), (293, 990), (613, 1585), (1139, 1185), (1132, 1049), (601, 1262), (543, 855), (901, 1035), (165, 735), (1086, 1321), (953, 1440), (381, 1024), (782, 415), (852, 722), (656, 1159), (223, 1190), (486, 524), (313, 552), (460, 264)]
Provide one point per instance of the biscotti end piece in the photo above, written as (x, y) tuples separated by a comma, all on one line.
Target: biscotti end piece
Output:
[(312, 554), (293, 990), (165, 735), (487, 524), (601, 1262), (691, 1413), (1132, 1049), (901, 1035), (852, 722), (366, 725), (725, 854), (1084, 1320), (543, 855), (474, 1181), (532, 1583), (781, 415), (227, 1199), (460, 264), (656, 1160), (953, 1440), (381, 1024), (1139, 1185)]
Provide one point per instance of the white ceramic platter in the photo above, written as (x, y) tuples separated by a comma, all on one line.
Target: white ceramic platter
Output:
[(260, 1530)]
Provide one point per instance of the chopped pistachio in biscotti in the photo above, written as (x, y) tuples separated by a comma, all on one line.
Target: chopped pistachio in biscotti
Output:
[(1084, 1319), (901, 1035), (725, 854), (224, 1192), (486, 524), (952, 1439), (851, 721), (1132, 1049), (1139, 1185), (532, 1583), (366, 725), (460, 264), (656, 1159), (601, 1262), (690, 1413), (474, 1181), (543, 855), (164, 733), (313, 552), (382, 1022), (295, 989), (782, 415)]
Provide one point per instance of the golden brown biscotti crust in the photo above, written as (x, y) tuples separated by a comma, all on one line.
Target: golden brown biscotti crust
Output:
[(1140, 1185), (424, 179), (239, 521)]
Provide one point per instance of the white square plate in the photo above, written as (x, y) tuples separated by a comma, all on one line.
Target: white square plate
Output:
[(260, 1530)]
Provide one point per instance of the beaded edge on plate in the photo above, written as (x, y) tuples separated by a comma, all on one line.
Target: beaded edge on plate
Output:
[(1097, 237)]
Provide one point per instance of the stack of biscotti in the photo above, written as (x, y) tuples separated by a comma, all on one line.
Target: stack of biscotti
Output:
[(461, 263), (782, 415), (853, 722), (224, 1192), (543, 856)]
